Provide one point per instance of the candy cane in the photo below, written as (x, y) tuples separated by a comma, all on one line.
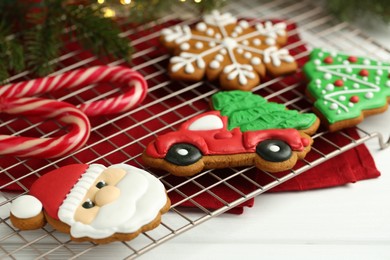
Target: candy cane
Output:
[(83, 77), (44, 147), (15, 99)]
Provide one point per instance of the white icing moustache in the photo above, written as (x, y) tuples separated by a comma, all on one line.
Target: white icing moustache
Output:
[(141, 198)]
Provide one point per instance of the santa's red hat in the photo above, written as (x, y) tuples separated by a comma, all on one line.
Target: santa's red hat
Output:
[(58, 192)]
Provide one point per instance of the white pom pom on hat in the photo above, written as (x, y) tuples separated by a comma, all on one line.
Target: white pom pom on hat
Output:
[(25, 207)]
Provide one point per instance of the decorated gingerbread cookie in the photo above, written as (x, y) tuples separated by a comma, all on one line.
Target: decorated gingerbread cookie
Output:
[(243, 130), (93, 203), (237, 53), (346, 88)]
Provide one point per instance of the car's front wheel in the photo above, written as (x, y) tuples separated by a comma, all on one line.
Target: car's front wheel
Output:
[(274, 150), (183, 154)]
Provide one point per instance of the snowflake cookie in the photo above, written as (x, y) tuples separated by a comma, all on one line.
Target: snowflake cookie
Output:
[(346, 88), (238, 53)]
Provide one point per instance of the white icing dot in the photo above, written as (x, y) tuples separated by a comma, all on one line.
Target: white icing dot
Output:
[(323, 91), (212, 44), (245, 42), (317, 62), (270, 41), (255, 61), (366, 62), (345, 88), (238, 29), (274, 148), (218, 36), (333, 53), (215, 64), (210, 32), (256, 42), (379, 72), (327, 76), (244, 24), (334, 106), (350, 104), (320, 54), (223, 51), (248, 55), (199, 45), (339, 59), (329, 87), (369, 95), (388, 83), (365, 78), (318, 81), (189, 68), (182, 152), (234, 34), (339, 112), (348, 69), (377, 78), (219, 57), (325, 102), (344, 79), (185, 46), (201, 27), (240, 51), (346, 62), (342, 98)]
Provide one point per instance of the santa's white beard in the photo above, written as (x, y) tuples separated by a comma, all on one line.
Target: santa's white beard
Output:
[(141, 198)]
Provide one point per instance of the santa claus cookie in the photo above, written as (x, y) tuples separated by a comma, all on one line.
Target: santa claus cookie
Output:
[(93, 203), (346, 88), (243, 130), (237, 53)]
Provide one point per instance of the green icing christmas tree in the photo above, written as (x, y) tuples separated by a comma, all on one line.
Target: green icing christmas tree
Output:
[(252, 112), (344, 85)]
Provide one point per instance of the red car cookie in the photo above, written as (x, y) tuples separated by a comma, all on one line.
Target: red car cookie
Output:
[(211, 140)]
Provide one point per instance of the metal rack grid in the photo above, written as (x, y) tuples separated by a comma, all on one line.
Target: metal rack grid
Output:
[(123, 137)]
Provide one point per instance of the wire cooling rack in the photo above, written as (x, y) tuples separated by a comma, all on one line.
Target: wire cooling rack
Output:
[(122, 138)]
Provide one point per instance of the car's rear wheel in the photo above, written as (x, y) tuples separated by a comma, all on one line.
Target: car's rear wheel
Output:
[(274, 150), (183, 154)]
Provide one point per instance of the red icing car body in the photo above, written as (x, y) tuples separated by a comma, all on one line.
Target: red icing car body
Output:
[(215, 138)]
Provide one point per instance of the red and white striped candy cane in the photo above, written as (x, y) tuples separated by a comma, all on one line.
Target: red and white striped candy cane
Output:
[(16, 100), (83, 77), (44, 147)]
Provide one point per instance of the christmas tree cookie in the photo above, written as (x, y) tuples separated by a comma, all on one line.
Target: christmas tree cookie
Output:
[(235, 52), (346, 88)]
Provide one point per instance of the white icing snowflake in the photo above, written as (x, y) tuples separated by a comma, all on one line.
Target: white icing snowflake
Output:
[(236, 52)]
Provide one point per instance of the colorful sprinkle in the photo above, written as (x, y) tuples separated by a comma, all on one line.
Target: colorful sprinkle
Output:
[(354, 99), (328, 60), (352, 59), (364, 73), (339, 83)]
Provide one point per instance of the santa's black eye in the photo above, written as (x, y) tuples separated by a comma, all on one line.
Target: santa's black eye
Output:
[(88, 204), (101, 184)]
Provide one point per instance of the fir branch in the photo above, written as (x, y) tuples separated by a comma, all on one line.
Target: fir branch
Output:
[(43, 41), (96, 33), (10, 50), (353, 9)]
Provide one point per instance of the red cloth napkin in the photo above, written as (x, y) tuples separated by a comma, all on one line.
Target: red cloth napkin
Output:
[(209, 190)]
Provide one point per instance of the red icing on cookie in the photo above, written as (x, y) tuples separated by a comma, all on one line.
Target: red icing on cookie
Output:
[(339, 83), (57, 189), (328, 60), (352, 59), (209, 142), (354, 99)]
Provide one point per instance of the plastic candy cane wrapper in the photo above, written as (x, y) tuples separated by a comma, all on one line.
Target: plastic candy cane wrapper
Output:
[(16, 99)]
